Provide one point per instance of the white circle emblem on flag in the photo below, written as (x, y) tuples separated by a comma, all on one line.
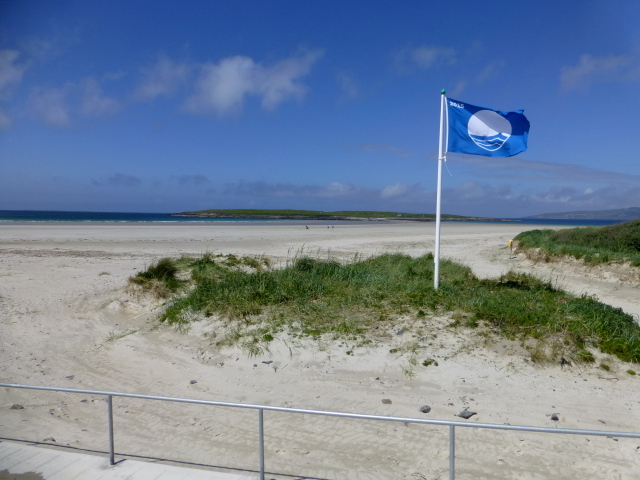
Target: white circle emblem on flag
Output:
[(489, 130)]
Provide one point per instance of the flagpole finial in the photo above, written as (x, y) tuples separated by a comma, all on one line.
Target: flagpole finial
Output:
[(443, 91)]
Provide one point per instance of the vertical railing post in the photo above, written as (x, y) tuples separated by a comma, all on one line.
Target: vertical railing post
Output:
[(261, 439), (452, 452), (111, 449)]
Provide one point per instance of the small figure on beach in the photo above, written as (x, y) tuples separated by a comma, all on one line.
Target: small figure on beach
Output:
[(306, 227)]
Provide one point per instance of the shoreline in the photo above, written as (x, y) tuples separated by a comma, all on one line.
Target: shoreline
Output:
[(254, 221)]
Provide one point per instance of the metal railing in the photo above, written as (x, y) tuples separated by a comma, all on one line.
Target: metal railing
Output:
[(261, 408)]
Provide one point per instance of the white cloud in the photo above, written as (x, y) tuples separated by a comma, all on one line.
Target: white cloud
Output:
[(336, 189), (164, 78), (264, 189), (473, 198), (489, 71), (460, 86), (347, 84), (395, 190), (5, 120), (94, 103), (537, 171), (221, 88), (11, 72), (57, 106), (473, 191), (470, 198), (51, 105), (591, 69), (425, 57)]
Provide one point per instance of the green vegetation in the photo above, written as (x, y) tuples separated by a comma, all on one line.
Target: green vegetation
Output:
[(259, 213), (585, 356), (365, 298), (161, 278), (618, 243)]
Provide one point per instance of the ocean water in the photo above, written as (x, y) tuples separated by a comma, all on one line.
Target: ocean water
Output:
[(26, 216)]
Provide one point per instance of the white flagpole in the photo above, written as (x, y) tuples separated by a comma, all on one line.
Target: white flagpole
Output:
[(441, 158)]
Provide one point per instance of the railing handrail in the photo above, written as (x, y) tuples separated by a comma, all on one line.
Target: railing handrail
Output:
[(362, 416), (261, 408)]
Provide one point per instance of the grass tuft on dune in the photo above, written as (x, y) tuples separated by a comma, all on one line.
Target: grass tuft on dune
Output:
[(354, 301), (618, 243)]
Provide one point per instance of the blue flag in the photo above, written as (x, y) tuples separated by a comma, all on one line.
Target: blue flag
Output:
[(483, 131)]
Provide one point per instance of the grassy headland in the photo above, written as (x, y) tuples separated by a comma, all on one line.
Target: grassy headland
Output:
[(319, 215), (360, 300), (618, 243)]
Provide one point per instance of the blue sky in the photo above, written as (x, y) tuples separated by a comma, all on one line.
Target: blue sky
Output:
[(168, 106)]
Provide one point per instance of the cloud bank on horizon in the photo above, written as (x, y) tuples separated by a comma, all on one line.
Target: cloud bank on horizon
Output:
[(171, 107)]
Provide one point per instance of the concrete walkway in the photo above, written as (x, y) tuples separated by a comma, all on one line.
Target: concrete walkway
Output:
[(19, 461)]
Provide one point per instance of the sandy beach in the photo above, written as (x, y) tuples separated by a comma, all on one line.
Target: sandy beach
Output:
[(67, 320)]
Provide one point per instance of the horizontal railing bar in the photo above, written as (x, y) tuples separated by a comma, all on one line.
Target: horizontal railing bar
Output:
[(492, 426)]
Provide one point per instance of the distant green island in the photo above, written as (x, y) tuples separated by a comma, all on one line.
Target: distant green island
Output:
[(319, 215)]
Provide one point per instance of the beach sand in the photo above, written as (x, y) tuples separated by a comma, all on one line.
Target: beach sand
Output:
[(67, 320)]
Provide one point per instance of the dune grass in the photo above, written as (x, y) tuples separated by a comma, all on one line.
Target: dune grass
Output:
[(161, 277), (312, 297), (618, 243)]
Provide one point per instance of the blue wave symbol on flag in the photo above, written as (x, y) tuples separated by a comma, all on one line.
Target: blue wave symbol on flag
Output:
[(493, 142)]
